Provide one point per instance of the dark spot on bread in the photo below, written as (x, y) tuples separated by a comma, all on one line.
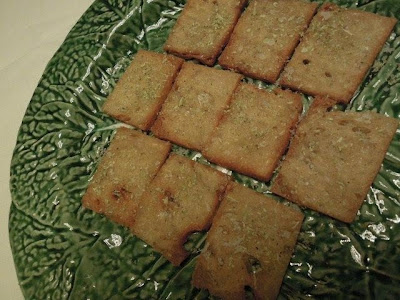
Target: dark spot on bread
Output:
[(361, 129), (253, 265), (343, 122)]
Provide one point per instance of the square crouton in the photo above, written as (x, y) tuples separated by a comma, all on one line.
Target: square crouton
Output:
[(250, 244), (124, 172), (203, 29), (195, 104), (265, 37), (254, 133), (336, 52), (333, 159), (139, 94), (182, 199)]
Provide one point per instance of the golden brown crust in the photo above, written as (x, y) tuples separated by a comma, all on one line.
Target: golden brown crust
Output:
[(195, 104), (124, 172), (139, 94), (255, 130), (265, 37), (181, 199), (321, 104), (336, 52), (250, 243), (333, 160), (203, 29)]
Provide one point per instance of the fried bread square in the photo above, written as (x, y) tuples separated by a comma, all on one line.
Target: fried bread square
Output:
[(181, 199), (333, 160), (336, 52), (139, 94), (250, 243), (124, 172), (254, 133), (265, 37), (194, 105), (203, 28)]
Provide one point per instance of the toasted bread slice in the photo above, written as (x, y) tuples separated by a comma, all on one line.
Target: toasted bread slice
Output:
[(203, 29), (255, 131), (265, 37), (336, 52), (333, 160), (195, 104), (250, 243), (181, 199), (139, 94), (124, 172)]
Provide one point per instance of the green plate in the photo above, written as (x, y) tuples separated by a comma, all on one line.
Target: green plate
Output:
[(64, 251)]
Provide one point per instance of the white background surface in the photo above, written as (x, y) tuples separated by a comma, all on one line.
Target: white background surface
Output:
[(30, 33)]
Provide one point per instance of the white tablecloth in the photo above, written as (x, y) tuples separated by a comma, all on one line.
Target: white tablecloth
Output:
[(30, 33)]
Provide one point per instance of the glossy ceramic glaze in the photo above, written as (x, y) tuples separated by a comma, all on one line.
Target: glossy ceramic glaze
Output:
[(63, 251)]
